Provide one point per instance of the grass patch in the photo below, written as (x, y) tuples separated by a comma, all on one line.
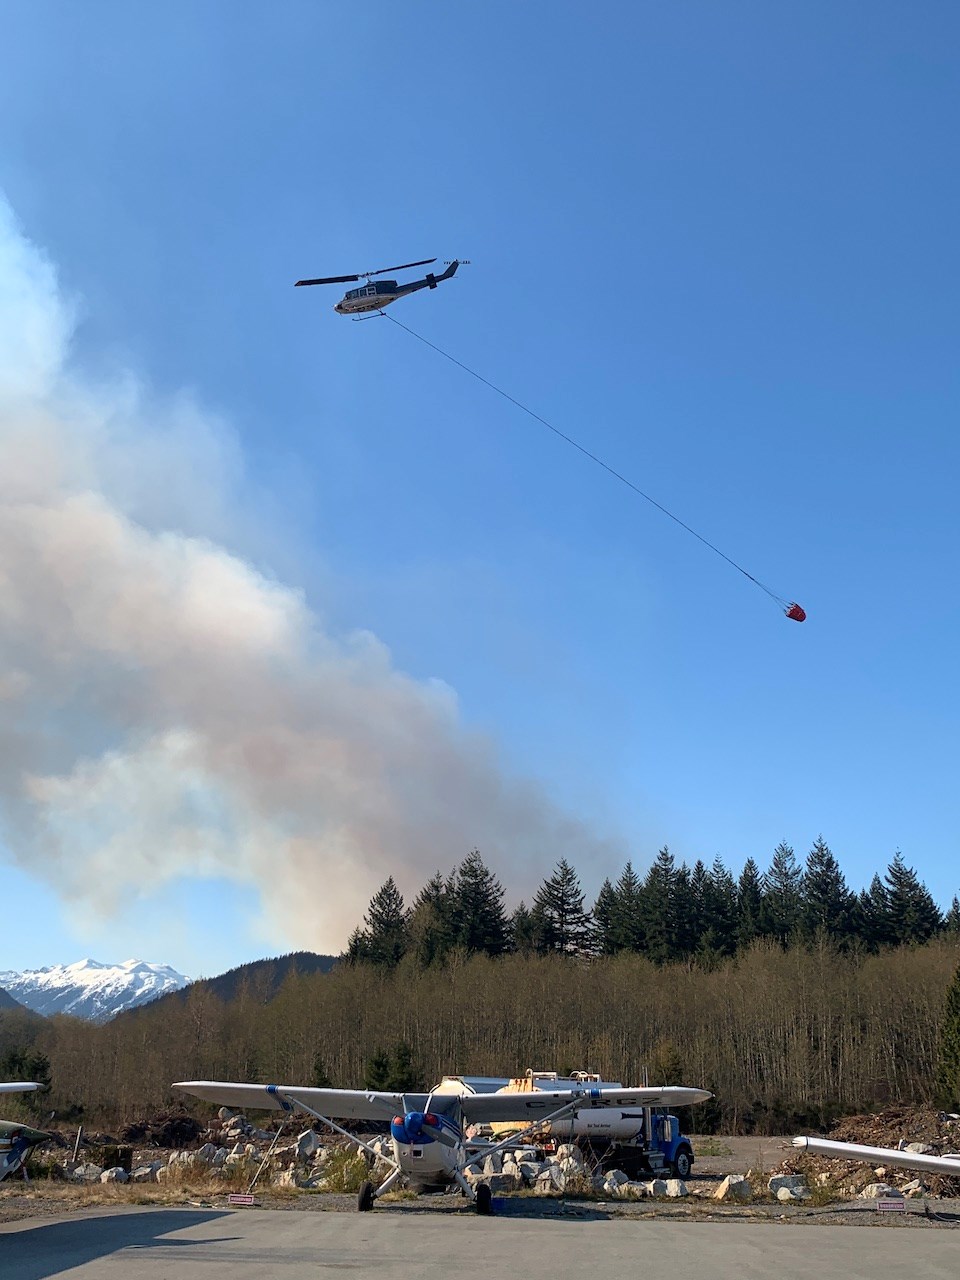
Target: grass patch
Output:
[(345, 1170), (713, 1147)]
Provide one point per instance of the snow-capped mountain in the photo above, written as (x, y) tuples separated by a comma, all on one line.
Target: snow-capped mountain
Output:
[(89, 989)]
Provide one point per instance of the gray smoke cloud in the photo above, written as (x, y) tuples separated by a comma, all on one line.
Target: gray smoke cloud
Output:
[(167, 710)]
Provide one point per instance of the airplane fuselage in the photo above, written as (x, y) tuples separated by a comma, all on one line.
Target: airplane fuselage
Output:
[(423, 1160)]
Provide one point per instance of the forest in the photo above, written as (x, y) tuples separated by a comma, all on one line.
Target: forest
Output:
[(788, 995)]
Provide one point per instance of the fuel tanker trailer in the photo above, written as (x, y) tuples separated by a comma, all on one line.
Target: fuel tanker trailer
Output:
[(635, 1139)]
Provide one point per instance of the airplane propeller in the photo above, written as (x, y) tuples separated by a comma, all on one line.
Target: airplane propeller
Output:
[(416, 1125)]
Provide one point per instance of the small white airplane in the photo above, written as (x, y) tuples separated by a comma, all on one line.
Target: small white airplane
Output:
[(17, 1139), (430, 1146)]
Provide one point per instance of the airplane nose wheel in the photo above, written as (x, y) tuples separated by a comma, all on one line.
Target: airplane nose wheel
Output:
[(484, 1201), (365, 1197)]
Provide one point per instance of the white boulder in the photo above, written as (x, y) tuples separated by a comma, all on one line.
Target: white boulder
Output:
[(734, 1187), (676, 1187), (550, 1180), (631, 1191), (115, 1175), (789, 1180), (787, 1195), (571, 1152), (308, 1144), (880, 1191)]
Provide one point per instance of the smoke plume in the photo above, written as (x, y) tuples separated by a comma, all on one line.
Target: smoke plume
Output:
[(167, 710)]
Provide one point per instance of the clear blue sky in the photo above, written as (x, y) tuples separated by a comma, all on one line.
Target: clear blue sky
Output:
[(716, 243)]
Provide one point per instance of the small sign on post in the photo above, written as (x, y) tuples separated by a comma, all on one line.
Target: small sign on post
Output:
[(237, 1198), (891, 1206)]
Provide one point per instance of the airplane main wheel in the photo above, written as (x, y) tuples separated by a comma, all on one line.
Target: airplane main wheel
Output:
[(365, 1197), (484, 1202)]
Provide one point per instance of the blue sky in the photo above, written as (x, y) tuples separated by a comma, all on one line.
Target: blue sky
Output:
[(716, 243)]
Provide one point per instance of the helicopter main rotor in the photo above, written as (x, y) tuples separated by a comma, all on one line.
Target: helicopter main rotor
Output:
[(365, 275)]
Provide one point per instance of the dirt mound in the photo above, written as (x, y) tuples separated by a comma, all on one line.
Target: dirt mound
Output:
[(169, 1129)]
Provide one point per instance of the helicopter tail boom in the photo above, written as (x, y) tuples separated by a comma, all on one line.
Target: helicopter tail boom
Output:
[(433, 281)]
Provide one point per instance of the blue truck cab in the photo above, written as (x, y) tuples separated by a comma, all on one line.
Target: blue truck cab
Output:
[(668, 1148)]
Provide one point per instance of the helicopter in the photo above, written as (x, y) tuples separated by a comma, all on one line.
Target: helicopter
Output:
[(375, 295)]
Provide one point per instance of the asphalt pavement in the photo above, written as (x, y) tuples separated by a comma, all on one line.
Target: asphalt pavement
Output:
[(137, 1243)]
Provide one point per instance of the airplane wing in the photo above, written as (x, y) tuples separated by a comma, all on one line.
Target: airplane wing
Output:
[(491, 1108), (32, 1137), (19, 1086), (341, 1104)]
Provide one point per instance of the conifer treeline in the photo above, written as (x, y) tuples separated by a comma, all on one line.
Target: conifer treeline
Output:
[(672, 914)]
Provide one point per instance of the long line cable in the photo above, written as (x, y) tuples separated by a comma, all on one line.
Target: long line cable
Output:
[(587, 453)]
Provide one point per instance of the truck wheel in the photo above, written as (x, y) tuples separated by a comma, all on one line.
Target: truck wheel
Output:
[(682, 1164), (484, 1202), (365, 1197)]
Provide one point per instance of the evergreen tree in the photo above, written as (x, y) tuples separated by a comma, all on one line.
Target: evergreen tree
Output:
[(403, 1075), (782, 900), (560, 921), (872, 916), (376, 1073), (659, 901), (479, 922), (951, 921), (431, 923), (719, 937), (699, 893), (357, 951), (604, 916), (391, 1071), (666, 1064), (522, 929), (627, 931), (828, 905), (385, 939), (948, 1065), (912, 913), (685, 917), (319, 1078), (749, 904)]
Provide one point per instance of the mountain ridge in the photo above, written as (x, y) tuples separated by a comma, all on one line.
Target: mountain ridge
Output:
[(263, 978), (90, 989)]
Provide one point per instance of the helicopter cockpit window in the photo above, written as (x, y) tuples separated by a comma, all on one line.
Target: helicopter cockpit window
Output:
[(371, 290)]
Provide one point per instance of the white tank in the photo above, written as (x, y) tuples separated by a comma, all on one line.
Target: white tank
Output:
[(609, 1123)]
